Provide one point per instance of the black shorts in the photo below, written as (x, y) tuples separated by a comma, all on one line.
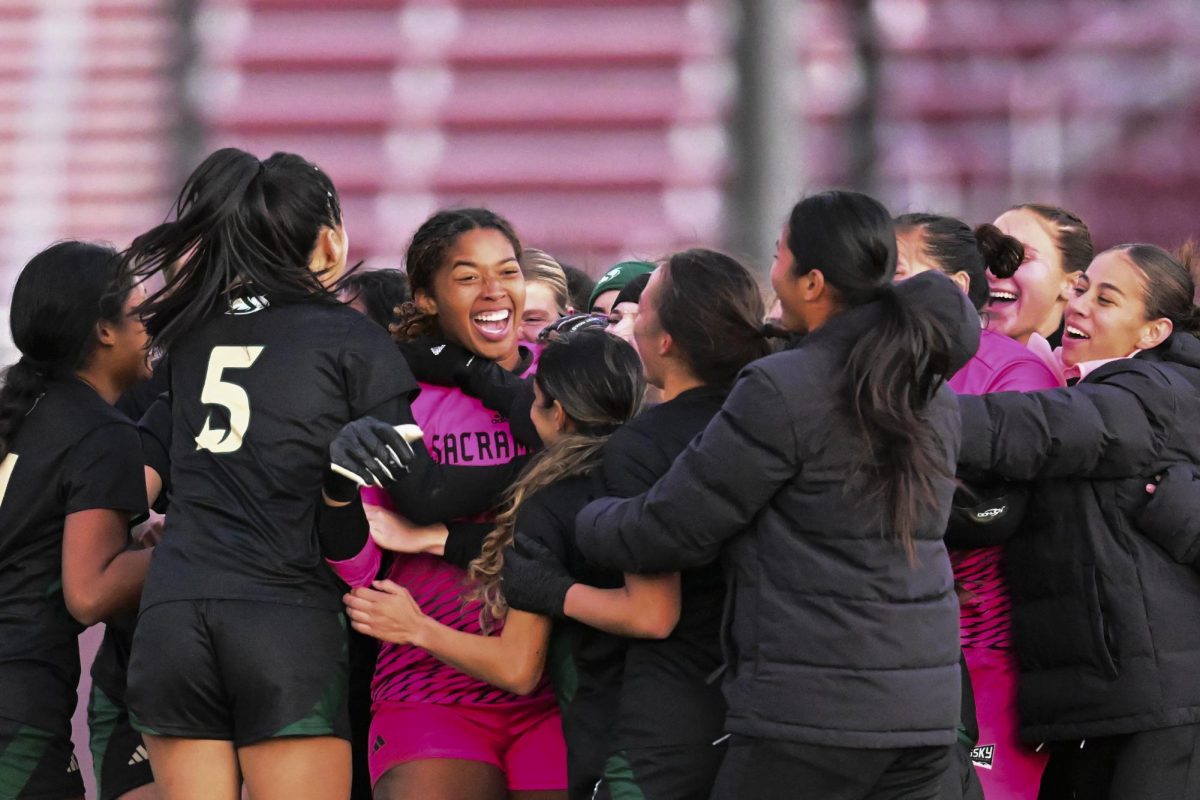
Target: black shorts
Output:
[(239, 670), (119, 757), (36, 764)]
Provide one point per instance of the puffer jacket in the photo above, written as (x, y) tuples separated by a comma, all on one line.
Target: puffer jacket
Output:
[(831, 636), (1107, 622)]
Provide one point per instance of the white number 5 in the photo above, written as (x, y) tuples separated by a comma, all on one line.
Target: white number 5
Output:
[(6, 470), (217, 392)]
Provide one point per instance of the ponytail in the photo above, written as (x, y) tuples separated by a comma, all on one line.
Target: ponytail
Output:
[(24, 384), (896, 367), (241, 227), (1002, 254), (892, 374), (58, 300)]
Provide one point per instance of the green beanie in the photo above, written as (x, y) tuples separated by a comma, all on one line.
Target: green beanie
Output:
[(617, 276)]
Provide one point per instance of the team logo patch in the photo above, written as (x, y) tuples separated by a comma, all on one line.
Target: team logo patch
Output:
[(983, 755), (379, 742), (139, 755)]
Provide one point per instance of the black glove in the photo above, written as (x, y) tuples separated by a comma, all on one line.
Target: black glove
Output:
[(437, 361), (570, 323), (533, 579), (444, 363), (368, 452)]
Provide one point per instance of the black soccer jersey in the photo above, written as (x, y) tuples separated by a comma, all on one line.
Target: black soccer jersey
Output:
[(257, 393), (668, 696), (584, 663), (73, 452)]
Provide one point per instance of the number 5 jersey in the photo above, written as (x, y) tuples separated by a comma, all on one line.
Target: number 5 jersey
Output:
[(257, 394)]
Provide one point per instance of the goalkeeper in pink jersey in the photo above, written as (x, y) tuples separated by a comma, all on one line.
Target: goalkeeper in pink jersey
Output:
[(437, 731)]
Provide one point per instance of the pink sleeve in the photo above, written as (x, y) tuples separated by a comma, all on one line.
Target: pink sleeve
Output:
[(1024, 376), (361, 569)]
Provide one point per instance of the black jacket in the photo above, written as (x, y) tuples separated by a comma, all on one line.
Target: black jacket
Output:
[(830, 636), (1107, 623)]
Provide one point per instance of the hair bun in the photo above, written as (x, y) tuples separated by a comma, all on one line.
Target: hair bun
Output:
[(1002, 254)]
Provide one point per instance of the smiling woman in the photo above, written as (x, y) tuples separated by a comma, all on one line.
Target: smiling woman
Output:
[(1114, 699), (437, 730), (467, 283), (1058, 248)]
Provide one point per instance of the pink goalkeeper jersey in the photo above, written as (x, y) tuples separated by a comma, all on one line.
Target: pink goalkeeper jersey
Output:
[(1000, 365), (459, 430)]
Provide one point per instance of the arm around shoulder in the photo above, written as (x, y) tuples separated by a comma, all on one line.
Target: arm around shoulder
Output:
[(711, 492)]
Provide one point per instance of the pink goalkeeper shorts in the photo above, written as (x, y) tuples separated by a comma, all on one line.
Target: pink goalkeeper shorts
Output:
[(1007, 767), (522, 739)]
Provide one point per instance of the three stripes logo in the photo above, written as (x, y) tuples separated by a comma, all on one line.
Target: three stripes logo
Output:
[(139, 755), (378, 743), (73, 766)]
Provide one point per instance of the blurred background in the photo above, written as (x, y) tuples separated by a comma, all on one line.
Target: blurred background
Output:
[(602, 128)]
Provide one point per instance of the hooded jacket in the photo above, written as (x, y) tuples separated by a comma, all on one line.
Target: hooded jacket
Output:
[(1107, 621), (830, 636)]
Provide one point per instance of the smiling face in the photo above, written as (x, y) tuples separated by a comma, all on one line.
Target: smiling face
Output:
[(131, 343), (1106, 317), (478, 295), (1032, 300), (540, 310), (785, 285)]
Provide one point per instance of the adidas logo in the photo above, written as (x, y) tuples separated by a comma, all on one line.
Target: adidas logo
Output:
[(139, 755), (437, 349), (74, 765), (378, 743)]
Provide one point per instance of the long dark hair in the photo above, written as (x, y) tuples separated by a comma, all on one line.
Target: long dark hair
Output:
[(59, 298), (893, 369), (240, 226), (954, 247), (712, 307), (598, 379), (427, 253)]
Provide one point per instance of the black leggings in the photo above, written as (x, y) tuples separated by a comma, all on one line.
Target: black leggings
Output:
[(1152, 765), (766, 769)]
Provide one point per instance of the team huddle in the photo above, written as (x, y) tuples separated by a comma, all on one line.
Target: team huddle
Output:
[(925, 526)]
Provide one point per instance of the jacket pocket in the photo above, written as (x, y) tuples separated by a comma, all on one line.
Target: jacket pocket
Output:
[(728, 650), (1101, 636)]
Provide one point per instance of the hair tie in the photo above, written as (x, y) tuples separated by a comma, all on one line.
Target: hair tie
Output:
[(39, 368)]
